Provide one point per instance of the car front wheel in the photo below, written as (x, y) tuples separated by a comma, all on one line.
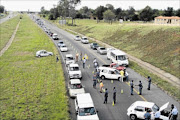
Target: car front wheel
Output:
[(103, 77), (39, 56), (133, 117)]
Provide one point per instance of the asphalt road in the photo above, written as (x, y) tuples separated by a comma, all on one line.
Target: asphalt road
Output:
[(107, 111), (11, 15)]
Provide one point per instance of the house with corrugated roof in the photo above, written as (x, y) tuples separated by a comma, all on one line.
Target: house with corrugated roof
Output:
[(174, 20)]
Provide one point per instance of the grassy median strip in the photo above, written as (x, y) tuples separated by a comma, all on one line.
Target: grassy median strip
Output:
[(6, 30), (31, 88)]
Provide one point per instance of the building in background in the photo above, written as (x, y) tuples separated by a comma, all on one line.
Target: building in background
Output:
[(174, 20)]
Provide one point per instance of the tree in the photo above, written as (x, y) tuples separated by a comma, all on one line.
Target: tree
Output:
[(110, 7), (169, 12), (178, 12), (1, 8), (99, 12), (118, 12), (109, 15), (42, 10), (131, 13), (146, 14)]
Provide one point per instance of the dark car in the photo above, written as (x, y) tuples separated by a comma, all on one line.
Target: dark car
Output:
[(94, 46)]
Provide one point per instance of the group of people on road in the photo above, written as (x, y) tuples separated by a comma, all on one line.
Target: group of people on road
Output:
[(173, 114), (140, 85)]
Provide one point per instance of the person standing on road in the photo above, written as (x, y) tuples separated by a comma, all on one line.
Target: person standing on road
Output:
[(84, 61), (94, 61), (106, 96), (157, 115), (77, 55), (97, 75), (122, 75), (81, 56), (94, 80), (174, 112), (132, 86), (114, 95), (147, 115), (149, 83), (57, 59), (101, 86), (125, 75), (140, 87)]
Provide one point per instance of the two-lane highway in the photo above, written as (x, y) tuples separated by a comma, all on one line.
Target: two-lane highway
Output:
[(107, 111)]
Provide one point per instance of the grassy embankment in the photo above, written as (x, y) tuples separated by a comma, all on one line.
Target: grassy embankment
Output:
[(3, 15), (7, 29), (157, 45), (31, 88)]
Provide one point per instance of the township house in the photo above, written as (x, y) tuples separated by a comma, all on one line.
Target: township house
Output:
[(174, 20)]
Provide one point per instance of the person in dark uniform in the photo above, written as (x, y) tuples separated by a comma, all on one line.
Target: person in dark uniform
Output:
[(57, 59), (106, 96), (114, 95), (149, 83), (140, 87), (132, 86), (94, 80)]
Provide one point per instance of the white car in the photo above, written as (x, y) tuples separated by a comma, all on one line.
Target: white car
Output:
[(101, 50), (109, 73), (84, 40), (75, 87), (77, 38), (60, 43), (84, 106), (43, 53), (63, 48), (138, 109), (55, 36), (69, 59), (74, 71)]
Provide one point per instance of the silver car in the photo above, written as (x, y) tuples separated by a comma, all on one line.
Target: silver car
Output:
[(101, 50), (43, 53)]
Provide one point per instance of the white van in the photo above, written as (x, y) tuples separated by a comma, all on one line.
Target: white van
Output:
[(84, 107), (118, 57)]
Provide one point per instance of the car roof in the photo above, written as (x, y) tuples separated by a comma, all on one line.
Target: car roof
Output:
[(77, 36), (73, 65), (118, 52), (144, 104), (107, 68), (84, 100), (60, 41), (54, 34), (75, 81), (69, 55), (84, 37), (63, 45)]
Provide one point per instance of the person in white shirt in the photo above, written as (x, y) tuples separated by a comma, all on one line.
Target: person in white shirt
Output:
[(157, 115), (84, 61), (174, 112)]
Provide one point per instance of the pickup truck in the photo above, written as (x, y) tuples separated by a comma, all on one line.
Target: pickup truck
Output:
[(115, 66)]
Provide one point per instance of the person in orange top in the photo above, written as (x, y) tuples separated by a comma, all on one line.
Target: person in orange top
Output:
[(101, 85)]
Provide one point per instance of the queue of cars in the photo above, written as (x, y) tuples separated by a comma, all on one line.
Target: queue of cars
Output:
[(84, 105)]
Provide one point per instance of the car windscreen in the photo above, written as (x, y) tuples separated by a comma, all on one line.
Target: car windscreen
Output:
[(55, 35), (77, 36), (155, 108), (84, 38), (76, 86), (121, 57), (69, 58), (87, 111), (102, 48), (95, 44), (74, 68), (63, 46), (61, 42)]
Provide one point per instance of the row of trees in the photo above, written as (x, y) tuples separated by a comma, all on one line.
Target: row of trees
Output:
[(66, 8), (1, 9)]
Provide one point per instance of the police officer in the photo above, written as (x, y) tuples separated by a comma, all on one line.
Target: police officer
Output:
[(147, 115), (57, 59), (114, 95), (174, 112), (84, 61), (149, 83), (106, 96), (140, 87), (97, 75), (94, 80), (157, 115), (132, 86)]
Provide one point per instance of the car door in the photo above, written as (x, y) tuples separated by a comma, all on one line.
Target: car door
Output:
[(112, 74), (139, 112)]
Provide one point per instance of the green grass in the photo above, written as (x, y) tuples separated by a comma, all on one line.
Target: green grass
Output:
[(155, 44), (6, 30), (31, 88), (163, 84)]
